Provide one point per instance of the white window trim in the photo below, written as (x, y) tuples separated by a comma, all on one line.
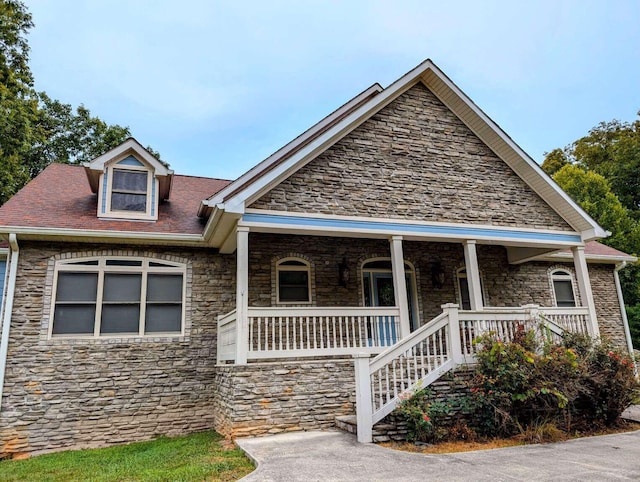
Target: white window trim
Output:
[(70, 265), (462, 273), (152, 186), (562, 274), (306, 267)]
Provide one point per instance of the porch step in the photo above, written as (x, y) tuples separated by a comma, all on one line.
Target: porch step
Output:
[(382, 431)]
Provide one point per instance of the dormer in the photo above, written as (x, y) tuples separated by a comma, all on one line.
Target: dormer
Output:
[(130, 182)]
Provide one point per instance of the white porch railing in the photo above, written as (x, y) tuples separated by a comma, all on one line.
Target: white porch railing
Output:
[(575, 320), (446, 341), (282, 332)]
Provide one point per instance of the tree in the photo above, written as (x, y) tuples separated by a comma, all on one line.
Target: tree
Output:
[(554, 161), (593, 193), (36, 130), (612, 149)]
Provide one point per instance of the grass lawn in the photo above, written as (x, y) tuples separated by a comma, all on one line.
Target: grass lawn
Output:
[(196, 457)]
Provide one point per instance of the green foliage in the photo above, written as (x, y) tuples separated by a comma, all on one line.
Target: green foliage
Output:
[(554, 161), (424, 416), (196, 457), (593, 193), (578, 384), (36, 130), (633, 317)]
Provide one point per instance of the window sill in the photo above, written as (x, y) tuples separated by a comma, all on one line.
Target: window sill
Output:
[(115, 340)]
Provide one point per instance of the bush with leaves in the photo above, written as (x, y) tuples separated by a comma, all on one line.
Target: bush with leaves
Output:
[(578, 384), (425, 417)]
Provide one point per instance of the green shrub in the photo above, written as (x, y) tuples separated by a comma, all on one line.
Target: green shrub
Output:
[(579, 383), (424, 416)]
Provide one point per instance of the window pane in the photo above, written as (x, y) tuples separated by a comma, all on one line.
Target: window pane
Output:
[(74, 319), (77, 286), (564, 293), (129, 181), (294, 293), (121, 287), (163, 318), (464, 293), (163, 287), (128, 202), (292, 262), (123, 262), (293, 285), (120, 319), (294, 278)]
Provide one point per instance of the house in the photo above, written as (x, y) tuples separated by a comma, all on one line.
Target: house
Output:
[(141, 302)]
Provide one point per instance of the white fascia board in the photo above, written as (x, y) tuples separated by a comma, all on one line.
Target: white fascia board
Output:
[(535, 169), (257, 170), (594, 258), (129, 145), (121, 236)]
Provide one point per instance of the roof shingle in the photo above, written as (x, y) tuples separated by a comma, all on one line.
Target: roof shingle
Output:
[(60, 197)]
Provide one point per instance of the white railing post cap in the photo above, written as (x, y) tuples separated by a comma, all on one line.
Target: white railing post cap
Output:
[(531, 305), (361, 355), (449, 306)]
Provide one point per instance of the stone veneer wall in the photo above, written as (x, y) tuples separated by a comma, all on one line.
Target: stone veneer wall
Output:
[(272, 397), (414, 159), (86, 393)]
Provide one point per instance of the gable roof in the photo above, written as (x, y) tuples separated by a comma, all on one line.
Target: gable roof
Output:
[(129, 147), (276, 168), (72, 206)]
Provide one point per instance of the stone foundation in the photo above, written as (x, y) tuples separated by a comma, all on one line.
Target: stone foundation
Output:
[(274, 397)]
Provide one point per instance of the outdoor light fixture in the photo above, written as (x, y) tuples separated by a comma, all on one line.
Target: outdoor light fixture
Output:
[(437, 275), (343, 273)]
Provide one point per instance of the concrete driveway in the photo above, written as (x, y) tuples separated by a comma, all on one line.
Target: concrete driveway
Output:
[(336, 456)]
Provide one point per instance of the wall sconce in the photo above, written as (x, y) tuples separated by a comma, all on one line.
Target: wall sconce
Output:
[(437, 275), (344, 273)]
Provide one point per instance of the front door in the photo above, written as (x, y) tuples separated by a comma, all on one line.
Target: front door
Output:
[(377, 281)]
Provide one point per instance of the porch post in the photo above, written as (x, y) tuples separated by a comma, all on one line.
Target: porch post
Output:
[(400, 284), (473, 274), (584, 285), (242, 292)]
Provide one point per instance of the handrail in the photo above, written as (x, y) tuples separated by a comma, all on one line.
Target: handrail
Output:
[(421, 333), (315, 311)]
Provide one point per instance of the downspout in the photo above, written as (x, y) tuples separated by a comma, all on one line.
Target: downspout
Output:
[(623, 310), (8, 308)]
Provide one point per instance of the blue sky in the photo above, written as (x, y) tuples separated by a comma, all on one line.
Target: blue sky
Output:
[(217, 86)]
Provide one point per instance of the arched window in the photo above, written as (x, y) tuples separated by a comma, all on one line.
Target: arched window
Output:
[(563, 290), (463, 289), (293, 281)]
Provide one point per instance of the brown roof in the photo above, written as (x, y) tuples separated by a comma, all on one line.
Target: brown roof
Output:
[(599, 249), (60, 197)]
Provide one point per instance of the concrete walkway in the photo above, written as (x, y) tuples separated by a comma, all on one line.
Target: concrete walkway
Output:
[(336, 456)]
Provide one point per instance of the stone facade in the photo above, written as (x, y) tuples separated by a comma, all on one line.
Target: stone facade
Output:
[(87, 393), (414, 159), (62, 393), (272, 397)]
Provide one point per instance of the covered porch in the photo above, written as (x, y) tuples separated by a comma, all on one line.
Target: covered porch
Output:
[(368, 290)]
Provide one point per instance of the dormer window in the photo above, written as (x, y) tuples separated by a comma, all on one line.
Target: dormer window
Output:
[(130, 182), (129, 190)]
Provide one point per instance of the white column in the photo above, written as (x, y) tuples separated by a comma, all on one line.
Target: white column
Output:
[(473, 274), (242, 294), (364, 408), (584, 285), (400, 284)]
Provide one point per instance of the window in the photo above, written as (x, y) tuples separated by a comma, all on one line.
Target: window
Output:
[(463, 289), (128, 191), (118, 296), (563, 292), (293, 281)]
